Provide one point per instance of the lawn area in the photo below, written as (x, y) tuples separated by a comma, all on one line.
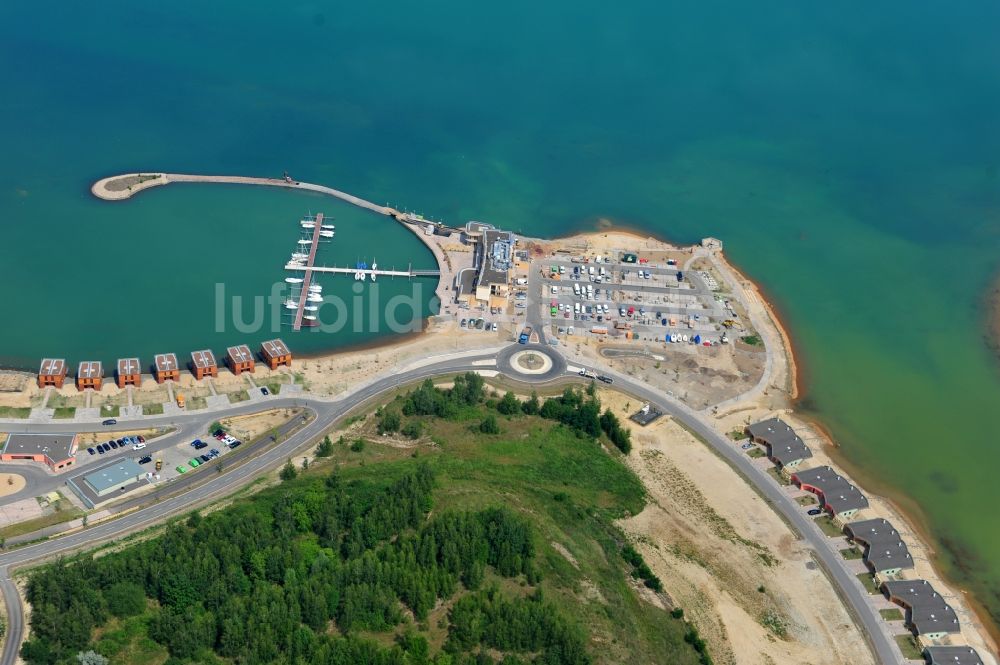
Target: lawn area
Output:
[(778, 476), (851, 553), (755, 452), (241, 396), (110, 411), (274, 387), (154, 409), (807, 500), (892, 615), (14, 412), (196, 403), (67, 513), (908, 645), (64, 412), (868, 582), (828, 526)]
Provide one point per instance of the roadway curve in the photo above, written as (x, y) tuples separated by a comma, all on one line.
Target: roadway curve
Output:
[(327, 413)]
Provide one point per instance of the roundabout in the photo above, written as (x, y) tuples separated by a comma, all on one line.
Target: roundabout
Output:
[(532, 363)]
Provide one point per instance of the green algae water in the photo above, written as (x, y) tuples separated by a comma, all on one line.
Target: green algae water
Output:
[(848, 155)]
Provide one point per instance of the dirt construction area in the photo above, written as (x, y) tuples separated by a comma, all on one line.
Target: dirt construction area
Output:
[(728, 560)]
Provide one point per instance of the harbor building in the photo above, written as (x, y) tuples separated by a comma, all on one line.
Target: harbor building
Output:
[(885, 553), (837, 496), (129, 372), (90, 374), (927, 613), (165, 367), (275, 353), (56, 451), (487, 282), (113, 478), (952, 655), (52, 373), (784, 447), (240, 359), (203, 364)]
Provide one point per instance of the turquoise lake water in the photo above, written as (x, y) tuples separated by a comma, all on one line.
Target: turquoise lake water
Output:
[(847, 153)]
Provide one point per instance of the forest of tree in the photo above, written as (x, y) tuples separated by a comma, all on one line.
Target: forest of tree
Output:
[(261, 582)]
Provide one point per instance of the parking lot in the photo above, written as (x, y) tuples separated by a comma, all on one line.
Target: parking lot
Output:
[(633, 300)]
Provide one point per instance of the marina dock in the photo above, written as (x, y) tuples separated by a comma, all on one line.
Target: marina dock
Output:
[(308, 270), (368, 272)]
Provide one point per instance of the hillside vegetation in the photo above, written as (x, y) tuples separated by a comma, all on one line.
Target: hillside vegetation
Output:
[(489, 541)]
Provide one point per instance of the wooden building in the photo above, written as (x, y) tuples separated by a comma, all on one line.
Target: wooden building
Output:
[(129, 372), (90, 374), (203, 364), (52, 372), (275, 352), (165, 367), (240, 359)]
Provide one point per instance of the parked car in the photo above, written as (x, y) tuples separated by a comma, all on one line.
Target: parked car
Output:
[(138, 446), (141, 438), (205, 458), (195, 442), (214, 452), (100, 449), (109, 421), (463, 323), (145, 460), (91, 451), (113, 444), (815, 511), (747, 446), (219, 433), (234, 444), (264, 390), (200, 445)]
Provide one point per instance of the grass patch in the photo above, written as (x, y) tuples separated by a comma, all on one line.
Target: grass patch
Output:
[(241, 396), (755, 452), (828, 526), (753, 340), (778, 476), (909, 646), (110, 411), (67, 512), (64, 412), (851, 553), (197, 403), (14, 412), (868, 582), (807, 500), (895, 614), (274, 387), (154, 409)]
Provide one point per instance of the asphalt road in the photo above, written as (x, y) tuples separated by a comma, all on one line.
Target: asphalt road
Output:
[(327, 413)]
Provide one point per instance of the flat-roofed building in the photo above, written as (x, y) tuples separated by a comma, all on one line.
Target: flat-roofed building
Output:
[(165, 367), (129, 372), (488, 281), (240, 359), (90, 374), (839, 497), (275, 353), (52, 372), (114, 477), (57, 451), (784, 447), (927, 613), (952, 655), (885, 553), (203, 364)]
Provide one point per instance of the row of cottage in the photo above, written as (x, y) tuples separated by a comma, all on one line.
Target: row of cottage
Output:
[(885, 553), (90, 373)]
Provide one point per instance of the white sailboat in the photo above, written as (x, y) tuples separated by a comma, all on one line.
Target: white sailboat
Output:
[(305, 242), (314, 297), (327, 227), (374, 266), (300, 255), (326, 234), (293, 280), (310, 308)]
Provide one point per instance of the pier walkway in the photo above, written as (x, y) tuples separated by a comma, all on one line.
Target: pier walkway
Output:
[(307, 277), (365, 271)]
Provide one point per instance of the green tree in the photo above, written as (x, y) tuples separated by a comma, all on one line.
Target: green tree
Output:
[(413, 429), (509, 404), (325, 447), (489, 425), (125, 599), (388, 421), (288, 471), (531, 407)]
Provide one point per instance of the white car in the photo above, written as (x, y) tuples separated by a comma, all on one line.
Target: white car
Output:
[(139, 446), (555, 290)]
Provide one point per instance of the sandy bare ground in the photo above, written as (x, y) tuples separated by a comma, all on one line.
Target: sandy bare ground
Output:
[(11, 483), (87, 439), (19, 511), (253, 425), (727, 559)]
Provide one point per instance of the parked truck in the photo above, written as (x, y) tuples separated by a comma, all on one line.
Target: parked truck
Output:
[(525, 335)]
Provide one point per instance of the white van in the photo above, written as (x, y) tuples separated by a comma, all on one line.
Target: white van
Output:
[(590, 270), (576, 289), (576, 308)]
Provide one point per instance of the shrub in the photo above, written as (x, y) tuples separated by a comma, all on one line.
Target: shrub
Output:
[(489, 425)]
